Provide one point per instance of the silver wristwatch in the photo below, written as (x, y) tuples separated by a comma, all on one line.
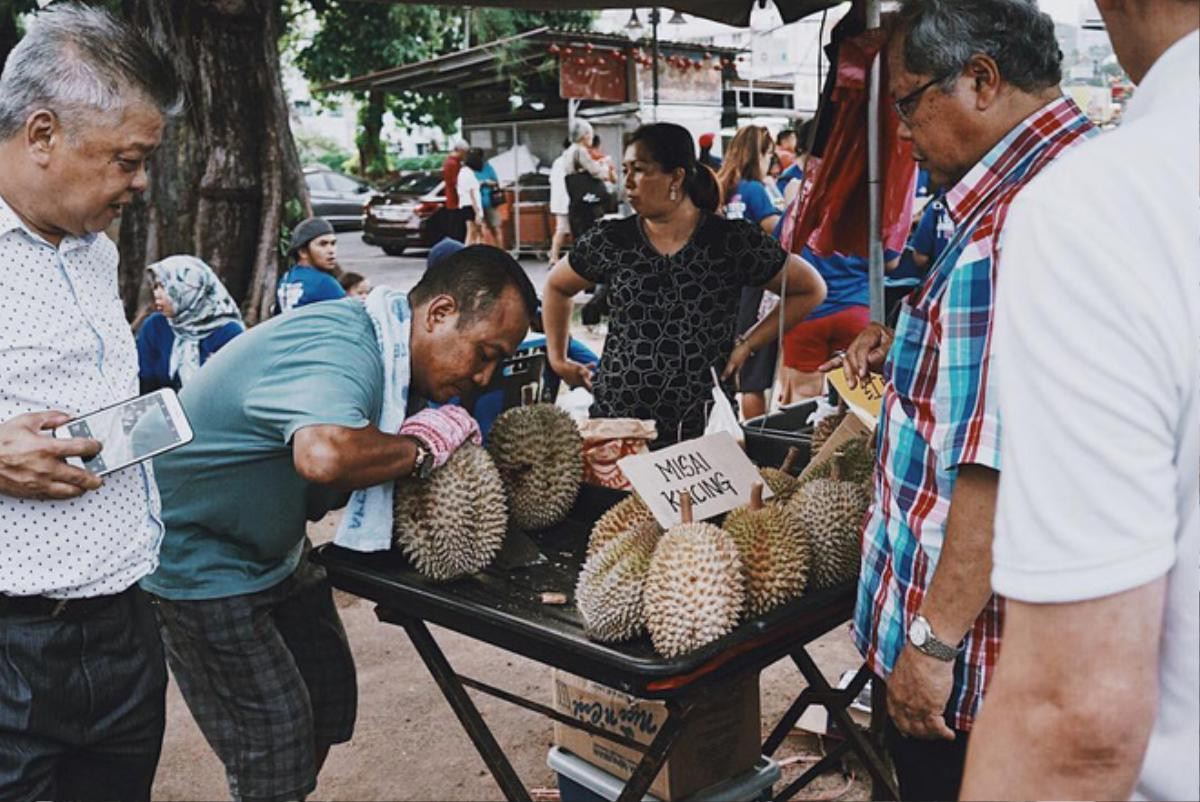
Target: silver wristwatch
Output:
[(921, 636)]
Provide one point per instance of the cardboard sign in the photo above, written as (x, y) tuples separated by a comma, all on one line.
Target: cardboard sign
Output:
[(712, 469), (865, 400)]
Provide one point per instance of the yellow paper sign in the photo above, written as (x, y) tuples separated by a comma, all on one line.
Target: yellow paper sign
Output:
[(865, 400)]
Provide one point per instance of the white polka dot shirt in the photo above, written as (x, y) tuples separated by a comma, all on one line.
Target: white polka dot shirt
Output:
[(65, 344)]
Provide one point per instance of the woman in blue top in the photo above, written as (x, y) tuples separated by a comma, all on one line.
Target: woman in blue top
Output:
[(489, 193), (743, 185), (195, 318)]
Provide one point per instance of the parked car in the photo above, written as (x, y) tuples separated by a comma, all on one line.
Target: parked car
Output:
[(410, 213), (337, 197)]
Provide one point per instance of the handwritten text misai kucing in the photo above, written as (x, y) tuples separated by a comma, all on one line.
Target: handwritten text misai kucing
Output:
[(709, 483)]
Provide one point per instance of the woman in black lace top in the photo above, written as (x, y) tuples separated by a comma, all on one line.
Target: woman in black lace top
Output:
[(675, 272)]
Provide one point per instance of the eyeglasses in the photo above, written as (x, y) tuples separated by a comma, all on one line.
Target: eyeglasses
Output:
[(906, 105)]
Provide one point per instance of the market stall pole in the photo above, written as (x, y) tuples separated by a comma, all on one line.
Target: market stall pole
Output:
[(874, 188), (503, 606)]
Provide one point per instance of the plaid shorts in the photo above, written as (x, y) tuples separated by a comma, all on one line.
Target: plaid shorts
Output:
[(266, 675)]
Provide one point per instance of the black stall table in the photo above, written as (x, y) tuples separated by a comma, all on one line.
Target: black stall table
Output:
[(503, 606)]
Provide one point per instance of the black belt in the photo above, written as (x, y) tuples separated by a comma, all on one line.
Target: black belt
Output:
[(66, 609)]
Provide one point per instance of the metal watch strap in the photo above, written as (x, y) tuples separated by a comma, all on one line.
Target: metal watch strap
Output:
[(937, 649)]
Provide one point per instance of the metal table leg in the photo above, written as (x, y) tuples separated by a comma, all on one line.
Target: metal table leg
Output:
[(468, 715), (859, 742), (656, 753)]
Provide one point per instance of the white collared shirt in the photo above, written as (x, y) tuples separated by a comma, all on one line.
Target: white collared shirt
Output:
[(65, 345), (1098, 353)]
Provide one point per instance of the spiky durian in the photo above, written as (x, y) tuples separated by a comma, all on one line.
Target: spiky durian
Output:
[(619, 518), (774, 560), (780, 480), (540, 456), (609, 591), (825, 427), (452, 523), (829, 513), (694, 591), (855, 461)]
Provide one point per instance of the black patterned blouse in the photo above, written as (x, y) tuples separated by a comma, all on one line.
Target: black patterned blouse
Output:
[(672, 318)]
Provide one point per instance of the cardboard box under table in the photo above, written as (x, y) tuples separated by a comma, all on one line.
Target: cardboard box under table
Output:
[(503, 606)]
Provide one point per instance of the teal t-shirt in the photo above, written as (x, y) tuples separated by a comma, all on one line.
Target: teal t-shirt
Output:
[(233, 505)]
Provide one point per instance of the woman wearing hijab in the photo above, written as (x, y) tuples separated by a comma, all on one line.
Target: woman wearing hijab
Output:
[(195, 318)]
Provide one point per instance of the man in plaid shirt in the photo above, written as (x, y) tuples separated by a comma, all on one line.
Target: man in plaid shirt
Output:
[(976, 86)]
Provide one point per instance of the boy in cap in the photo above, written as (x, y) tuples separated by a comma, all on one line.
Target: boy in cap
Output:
[(706, 157), (314, 248)]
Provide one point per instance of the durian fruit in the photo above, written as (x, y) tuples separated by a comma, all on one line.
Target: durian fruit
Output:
[(453, 523), (694, 591), (825, 428), (620, 517), (855, 462), (539, 452), (774, 560), (829, 512), (609, 591), (780, 479)]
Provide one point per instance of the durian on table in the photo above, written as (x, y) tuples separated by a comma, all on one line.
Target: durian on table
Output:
[(453, 523), (774, 557), (616, 520), (780, 480), (609, 592), (694, 591), (539, 452), (828, 513)]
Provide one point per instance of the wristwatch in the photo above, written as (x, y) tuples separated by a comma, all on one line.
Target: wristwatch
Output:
[(423, 462), (921, 636)]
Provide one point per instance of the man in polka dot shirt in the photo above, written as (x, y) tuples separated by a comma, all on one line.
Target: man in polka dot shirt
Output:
[(83, 100)]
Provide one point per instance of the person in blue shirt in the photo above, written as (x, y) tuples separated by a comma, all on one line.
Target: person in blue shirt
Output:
[(489, 193), (196, 317), (743, 181), (311, 278), (928, 239)]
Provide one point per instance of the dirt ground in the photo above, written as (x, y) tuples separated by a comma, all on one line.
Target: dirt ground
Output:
[(408, 744)]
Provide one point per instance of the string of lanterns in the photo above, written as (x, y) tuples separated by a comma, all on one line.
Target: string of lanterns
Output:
[(588, 53)]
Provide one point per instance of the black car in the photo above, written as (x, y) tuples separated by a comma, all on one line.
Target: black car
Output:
[(337, 197), (409, 213)]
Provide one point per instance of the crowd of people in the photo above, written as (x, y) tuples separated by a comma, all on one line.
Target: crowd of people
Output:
[(996, 559)]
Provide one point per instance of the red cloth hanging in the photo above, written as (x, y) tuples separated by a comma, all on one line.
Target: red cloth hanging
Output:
[(831, 213)]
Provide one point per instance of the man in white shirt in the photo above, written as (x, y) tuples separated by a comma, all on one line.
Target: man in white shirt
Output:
[(82, 682), (1097, 690)]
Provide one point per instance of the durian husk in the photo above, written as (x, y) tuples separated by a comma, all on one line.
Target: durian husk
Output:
[(854, 462), (782, 483), (619, 518), (694, 591), (774, 559), (539, 452), (826, 427), (453, 523), (829, 514), (609, 591)]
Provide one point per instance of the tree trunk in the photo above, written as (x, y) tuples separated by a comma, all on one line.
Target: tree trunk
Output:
[(227, 167), (369, 147)]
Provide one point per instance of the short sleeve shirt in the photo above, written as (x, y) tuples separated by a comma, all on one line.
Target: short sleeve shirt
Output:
[(304, 285), (672, 317), (751, 202), (236, 508)]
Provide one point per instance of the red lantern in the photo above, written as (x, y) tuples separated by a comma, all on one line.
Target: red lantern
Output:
[(580, 60), (567, 51), (588, 47), (554, 49)]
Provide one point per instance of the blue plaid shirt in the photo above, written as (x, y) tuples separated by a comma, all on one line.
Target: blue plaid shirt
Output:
[(939, 409)]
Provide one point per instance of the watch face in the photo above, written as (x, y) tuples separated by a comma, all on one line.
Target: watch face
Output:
[(918, 633)]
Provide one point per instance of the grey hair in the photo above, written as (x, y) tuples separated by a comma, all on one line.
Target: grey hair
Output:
[(942, 35), (581, 129), (75, 59)]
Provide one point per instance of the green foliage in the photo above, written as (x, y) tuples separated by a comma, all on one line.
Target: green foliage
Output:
[(293, 213), (357, 38), (430, 161), (318, 149)]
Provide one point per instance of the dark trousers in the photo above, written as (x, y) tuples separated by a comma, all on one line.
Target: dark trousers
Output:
[(926, 769), (82, 703)]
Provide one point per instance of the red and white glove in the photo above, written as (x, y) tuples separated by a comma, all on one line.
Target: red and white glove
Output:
[(442, 430)]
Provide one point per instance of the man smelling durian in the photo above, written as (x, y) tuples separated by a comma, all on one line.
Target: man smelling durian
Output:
[(309, 406)]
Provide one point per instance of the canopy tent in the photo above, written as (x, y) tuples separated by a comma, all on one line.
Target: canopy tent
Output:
[(731, 12)]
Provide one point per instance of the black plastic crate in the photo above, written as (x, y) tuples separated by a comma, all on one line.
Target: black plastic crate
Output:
[(769, 437)]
